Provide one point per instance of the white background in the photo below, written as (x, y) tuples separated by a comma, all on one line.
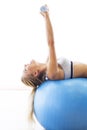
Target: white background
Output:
[(23, 37)]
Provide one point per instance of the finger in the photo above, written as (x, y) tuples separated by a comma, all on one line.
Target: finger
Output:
[(41, 13)]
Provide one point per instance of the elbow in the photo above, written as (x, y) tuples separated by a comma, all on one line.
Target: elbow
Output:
[(50, 42)]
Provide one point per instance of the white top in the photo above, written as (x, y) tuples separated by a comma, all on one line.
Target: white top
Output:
[(66, 66)]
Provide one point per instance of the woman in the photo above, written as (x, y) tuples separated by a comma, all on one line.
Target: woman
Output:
[(36, 73)]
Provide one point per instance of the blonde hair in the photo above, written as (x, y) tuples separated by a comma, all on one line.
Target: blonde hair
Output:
[(33, 81)]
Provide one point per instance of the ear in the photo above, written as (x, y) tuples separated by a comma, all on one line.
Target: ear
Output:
[(36, 73)]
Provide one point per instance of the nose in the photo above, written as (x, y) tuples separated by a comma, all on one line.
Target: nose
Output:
[(33, 61)]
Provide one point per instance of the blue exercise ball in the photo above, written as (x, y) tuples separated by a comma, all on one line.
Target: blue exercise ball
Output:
[(62, 105)]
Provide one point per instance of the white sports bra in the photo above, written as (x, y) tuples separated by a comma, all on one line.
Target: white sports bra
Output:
[(67, 67)]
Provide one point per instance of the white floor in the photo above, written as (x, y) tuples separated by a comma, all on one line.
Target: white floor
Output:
[(14, 110)]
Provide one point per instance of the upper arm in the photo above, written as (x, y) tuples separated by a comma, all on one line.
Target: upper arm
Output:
[(52, 65)]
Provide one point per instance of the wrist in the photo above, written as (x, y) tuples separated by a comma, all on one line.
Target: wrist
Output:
[(46, 15)]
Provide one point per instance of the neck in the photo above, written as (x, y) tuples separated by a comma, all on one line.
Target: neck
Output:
[(42, 67)]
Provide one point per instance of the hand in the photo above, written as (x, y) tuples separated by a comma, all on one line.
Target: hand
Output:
[(44, 10)]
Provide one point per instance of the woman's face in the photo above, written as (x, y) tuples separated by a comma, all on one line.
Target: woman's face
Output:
[(30, 68)]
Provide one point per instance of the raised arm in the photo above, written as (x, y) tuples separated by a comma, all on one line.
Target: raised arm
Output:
[(52, 64)]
